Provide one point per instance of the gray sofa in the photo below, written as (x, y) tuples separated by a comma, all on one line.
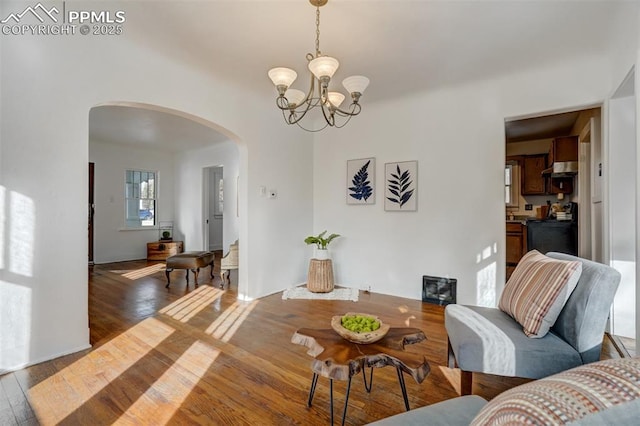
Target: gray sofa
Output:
[(600, 393)]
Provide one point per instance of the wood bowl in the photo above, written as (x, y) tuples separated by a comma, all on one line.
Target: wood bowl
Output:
[(364, 337)]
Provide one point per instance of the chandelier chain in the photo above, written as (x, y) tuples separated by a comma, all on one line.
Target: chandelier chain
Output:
[(317, 31)]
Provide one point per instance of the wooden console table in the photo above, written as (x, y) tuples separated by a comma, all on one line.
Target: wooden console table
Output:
[(160, 250), (338, 359)]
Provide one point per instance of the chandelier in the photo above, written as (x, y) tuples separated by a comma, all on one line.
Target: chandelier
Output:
[(295, 104)]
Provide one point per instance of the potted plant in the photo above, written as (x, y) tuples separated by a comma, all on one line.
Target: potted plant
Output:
[(320, 251)]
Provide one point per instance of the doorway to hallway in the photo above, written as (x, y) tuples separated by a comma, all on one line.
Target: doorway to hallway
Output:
[(213, 207)]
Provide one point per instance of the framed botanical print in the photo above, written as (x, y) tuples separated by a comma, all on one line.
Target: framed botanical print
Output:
[(361, 181), (401, 186)]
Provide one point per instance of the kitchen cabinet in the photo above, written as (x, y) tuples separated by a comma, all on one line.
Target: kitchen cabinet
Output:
[(533, 183), (563, 149), (516, 245)]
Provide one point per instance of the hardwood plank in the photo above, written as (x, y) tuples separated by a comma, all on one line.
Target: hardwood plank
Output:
[(199, 356)]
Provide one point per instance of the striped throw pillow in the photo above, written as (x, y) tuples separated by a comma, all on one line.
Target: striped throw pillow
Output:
[(581, 395), (537, 291)]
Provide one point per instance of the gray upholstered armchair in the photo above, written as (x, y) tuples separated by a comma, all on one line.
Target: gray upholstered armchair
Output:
[(487, 340)]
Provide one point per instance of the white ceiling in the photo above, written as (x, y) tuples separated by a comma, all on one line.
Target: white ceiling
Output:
[(543, 127), (147, 128), (403, 46)]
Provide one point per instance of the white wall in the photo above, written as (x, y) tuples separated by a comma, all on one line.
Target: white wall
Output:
[(189, 192), (457, 137), (637, 84), (622, 202), (49, 85), (112, 242)]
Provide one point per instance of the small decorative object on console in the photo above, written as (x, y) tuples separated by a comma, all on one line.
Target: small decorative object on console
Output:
[(166, 231)]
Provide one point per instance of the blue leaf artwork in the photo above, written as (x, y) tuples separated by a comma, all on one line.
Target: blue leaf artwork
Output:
[(401, 186), (361, 189)]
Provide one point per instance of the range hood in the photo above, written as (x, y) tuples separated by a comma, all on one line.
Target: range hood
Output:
[(562, 169)]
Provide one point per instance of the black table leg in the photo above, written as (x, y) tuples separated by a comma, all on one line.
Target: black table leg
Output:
[(403, 387), (364, 377), (331, 399), (346, 402), (314, 382)]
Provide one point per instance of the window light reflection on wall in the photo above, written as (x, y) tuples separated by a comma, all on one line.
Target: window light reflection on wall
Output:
[(22, 223)]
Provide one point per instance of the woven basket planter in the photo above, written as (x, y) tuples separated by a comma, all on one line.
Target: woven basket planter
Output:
[(320, 277)]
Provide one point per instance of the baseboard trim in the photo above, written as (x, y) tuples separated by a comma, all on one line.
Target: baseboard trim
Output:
[(45, 359)]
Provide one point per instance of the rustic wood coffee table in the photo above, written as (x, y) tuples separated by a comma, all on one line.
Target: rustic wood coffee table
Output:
[(339, 359)]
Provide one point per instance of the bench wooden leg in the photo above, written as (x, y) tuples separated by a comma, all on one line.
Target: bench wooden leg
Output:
[(195, 274), (211, 270), (166, 272)]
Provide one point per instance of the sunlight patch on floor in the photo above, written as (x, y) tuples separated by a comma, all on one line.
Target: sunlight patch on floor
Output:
[(189, 305), (86, 377), (225, 326), (143, 272), (453, 377), (174, 386)]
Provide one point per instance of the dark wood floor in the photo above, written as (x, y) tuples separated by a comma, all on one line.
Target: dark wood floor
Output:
[(200, 356)]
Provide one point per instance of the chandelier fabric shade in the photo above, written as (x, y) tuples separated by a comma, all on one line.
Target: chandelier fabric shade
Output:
[(295, 104)]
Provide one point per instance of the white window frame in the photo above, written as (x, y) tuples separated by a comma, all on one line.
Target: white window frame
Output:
[(218, 191), (131, 193), (511, 184)]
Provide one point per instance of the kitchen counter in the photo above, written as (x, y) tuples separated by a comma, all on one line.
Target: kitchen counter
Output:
[(519, 219)]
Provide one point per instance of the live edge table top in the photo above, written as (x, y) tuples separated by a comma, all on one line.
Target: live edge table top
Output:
[(340, 359)]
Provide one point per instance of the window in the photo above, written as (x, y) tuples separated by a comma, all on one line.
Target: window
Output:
[(220, 206), (508, 173), (511, 179), (140, 198), (218, 193)]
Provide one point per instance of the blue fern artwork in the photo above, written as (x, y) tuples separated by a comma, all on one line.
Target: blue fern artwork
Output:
[(361, 185), (399, 185)]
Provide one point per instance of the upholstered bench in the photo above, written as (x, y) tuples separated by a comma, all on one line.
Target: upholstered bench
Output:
[(189, 260)]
